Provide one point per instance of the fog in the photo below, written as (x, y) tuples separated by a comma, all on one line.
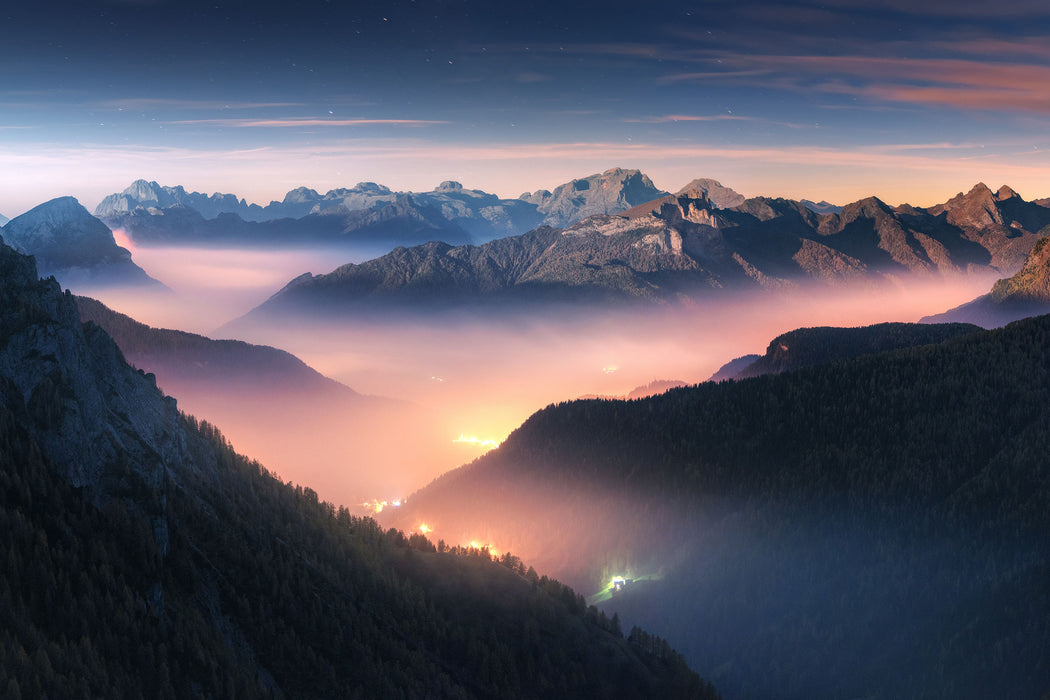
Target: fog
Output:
[(473, 377)]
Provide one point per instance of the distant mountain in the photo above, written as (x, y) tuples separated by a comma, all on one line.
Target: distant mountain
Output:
[(366, 213), (732, 368), (1025, 294), (610, 192), (805, 347), (657, 386), (283, 412), (3, 219), (75, 247), (143, 194), (143, 557), (864, 528), (720, 196), (673, 248), (181, 359), (821, 207)]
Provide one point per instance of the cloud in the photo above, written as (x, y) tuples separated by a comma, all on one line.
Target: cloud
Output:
[(960, 83), (146, 103), (675, 118), (296, 122)]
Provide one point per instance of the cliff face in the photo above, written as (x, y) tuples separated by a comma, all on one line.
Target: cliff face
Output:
[(69, 386)]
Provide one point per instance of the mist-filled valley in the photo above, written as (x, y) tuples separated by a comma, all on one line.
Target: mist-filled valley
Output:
[(440, 388), (483, 350)]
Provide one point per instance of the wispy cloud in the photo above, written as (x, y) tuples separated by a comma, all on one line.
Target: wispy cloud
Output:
[(675, 118), (965, 84), (148, 103), (298, 122)]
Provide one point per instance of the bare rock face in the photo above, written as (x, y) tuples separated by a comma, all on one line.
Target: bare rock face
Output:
[(611, 192), (69, 386), (1032, 283), (722, 197), (71, 244)]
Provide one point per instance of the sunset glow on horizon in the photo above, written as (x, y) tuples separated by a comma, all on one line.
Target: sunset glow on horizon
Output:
[(908, 102)]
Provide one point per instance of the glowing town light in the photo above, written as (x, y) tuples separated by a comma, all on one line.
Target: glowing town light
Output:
[(377, 506), (479, 442), (425, 529), (483, 547), (611, 369)]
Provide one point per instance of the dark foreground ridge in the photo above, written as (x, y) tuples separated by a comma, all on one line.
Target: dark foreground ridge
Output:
[(868, 528), (144, 557)]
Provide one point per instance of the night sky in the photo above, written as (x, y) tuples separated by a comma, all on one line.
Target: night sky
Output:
[(911, 101)]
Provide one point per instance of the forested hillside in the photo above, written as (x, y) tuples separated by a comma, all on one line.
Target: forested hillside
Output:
[(144, 558), (869, 528)]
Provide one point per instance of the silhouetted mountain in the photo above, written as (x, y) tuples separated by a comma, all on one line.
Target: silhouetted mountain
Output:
[(180, 359), (671, 249), (730, 369), (1025, 294), (144, 558), (75, 247), (816, 346), (821, 207), (281, 411), (657, 386), (610, 192), (870, 527)]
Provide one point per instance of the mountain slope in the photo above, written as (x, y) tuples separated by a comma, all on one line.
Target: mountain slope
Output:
[(865, 528), (143, 557), (74, 246), (667, 250), (815, 346), (277, 409), (1025, 294)]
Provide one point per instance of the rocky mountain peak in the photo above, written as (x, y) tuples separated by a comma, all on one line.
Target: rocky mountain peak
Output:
[(300, 195), (867, 208), (721, 196), (73, 245), (978, 208), (59, 220), (449, 186), (1005, 192), (610, 192)]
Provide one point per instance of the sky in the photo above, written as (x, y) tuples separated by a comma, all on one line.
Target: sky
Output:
[(837, 100)]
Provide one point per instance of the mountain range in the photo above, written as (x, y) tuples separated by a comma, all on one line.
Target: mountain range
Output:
[(144, 557), (870, 527), (366, 214), (1025, 294), (679, 247), (75, 247)]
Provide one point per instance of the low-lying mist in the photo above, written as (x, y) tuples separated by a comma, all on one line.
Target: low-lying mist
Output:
[(470, 379)]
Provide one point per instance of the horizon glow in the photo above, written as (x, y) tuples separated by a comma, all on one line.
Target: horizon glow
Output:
[(911, 104)]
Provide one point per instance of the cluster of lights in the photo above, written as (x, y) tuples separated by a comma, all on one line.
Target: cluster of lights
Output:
[(474, 544), (378, 506), (490, 444)]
